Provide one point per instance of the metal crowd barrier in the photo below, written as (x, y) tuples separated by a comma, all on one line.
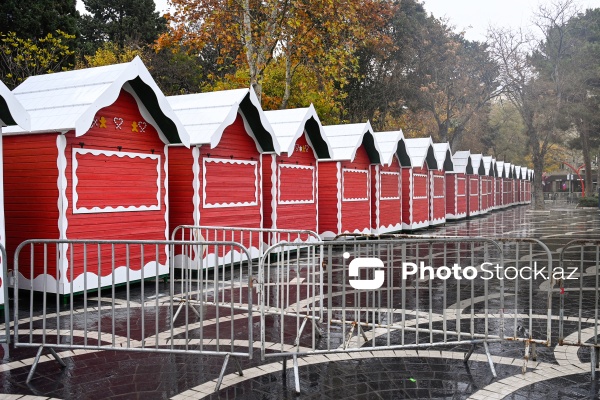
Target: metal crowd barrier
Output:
[(4, 277), (215, 319), (579, 297), (256, 240), (321, 313)]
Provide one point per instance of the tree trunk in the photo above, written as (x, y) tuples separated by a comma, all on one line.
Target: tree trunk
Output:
[(288, 80), (538, 188), (584, 135)]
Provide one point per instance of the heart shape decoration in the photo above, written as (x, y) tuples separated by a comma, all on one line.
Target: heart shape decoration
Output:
[(118, 122), (142, 125)]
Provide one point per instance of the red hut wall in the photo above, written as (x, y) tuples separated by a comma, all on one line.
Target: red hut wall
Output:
[(329, 197), (30, 191), (499, 195), (181, 187), (356, 193), (438, 197), (456, 198), (415, 197), (474, 197), (290, 189), (386, 201), (484, 193), (230, 181), (507, 192)]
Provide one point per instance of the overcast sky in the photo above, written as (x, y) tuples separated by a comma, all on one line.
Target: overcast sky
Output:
[(472, 16)]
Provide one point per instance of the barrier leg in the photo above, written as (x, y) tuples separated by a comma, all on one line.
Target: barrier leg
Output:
[(37, 360), (489, 357), (296, 374), (284, 366), (527, 347), (468, 354), (534, 351), (593, 362)]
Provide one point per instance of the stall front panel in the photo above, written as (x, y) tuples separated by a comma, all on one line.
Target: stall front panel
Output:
[(415, 198), (330, 198), (438, 197), (356, 193), (474, 197), (456, 198), (386, 188), (290, 188)]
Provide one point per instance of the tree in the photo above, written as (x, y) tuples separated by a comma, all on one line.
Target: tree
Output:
[(318, 34), (581, 95), (119, 22), (21, 58), (532, 80), (174, 71), (505, 134), (36, 18)]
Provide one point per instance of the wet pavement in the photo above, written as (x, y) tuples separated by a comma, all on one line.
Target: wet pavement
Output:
[(561, 372)]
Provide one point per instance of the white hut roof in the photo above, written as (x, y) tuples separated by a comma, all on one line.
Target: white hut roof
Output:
[(494, 168), (477, 164), (487, 165), (387, 142), (507, 170), (345, 140), (206, 115), (462, 161), (500, 168), (69, 100), (517, 171), (289, 125), (443, 156), (11, 111), (524, 173), (420, 150)]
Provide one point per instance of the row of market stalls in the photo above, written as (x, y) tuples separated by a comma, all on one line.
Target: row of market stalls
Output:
[(101, 153)]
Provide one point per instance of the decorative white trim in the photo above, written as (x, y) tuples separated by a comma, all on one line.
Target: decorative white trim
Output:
[(456, 216), (356, 171), (377, 196), (465, 191), (394, 197), (63, 202), (339, 196), (196, 184), (412, 185), (433, 187), (470, 193), (120, 275), (317, 196), (275, 188), (166, 186), (226, 161), (294, 166), (109, 209)]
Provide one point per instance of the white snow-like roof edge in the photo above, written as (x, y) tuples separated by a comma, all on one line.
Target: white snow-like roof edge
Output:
[(305, 115), (487, 164), (113, 78), (263, 119), (414, 148), (441, 151), (348, 132), (461, 161), (387, 144), (15, 110)]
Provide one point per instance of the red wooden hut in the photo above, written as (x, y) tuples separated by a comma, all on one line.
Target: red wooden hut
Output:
[(500, 200), (508, 184), (517, 184), (494, 184), (474, 186), (523, 185), (487, 185), (290, 179), (456, 186), (437, 190), (11, 113), (344, 182), (95, 135), (386, 184), (416, 183), (219, 181)]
